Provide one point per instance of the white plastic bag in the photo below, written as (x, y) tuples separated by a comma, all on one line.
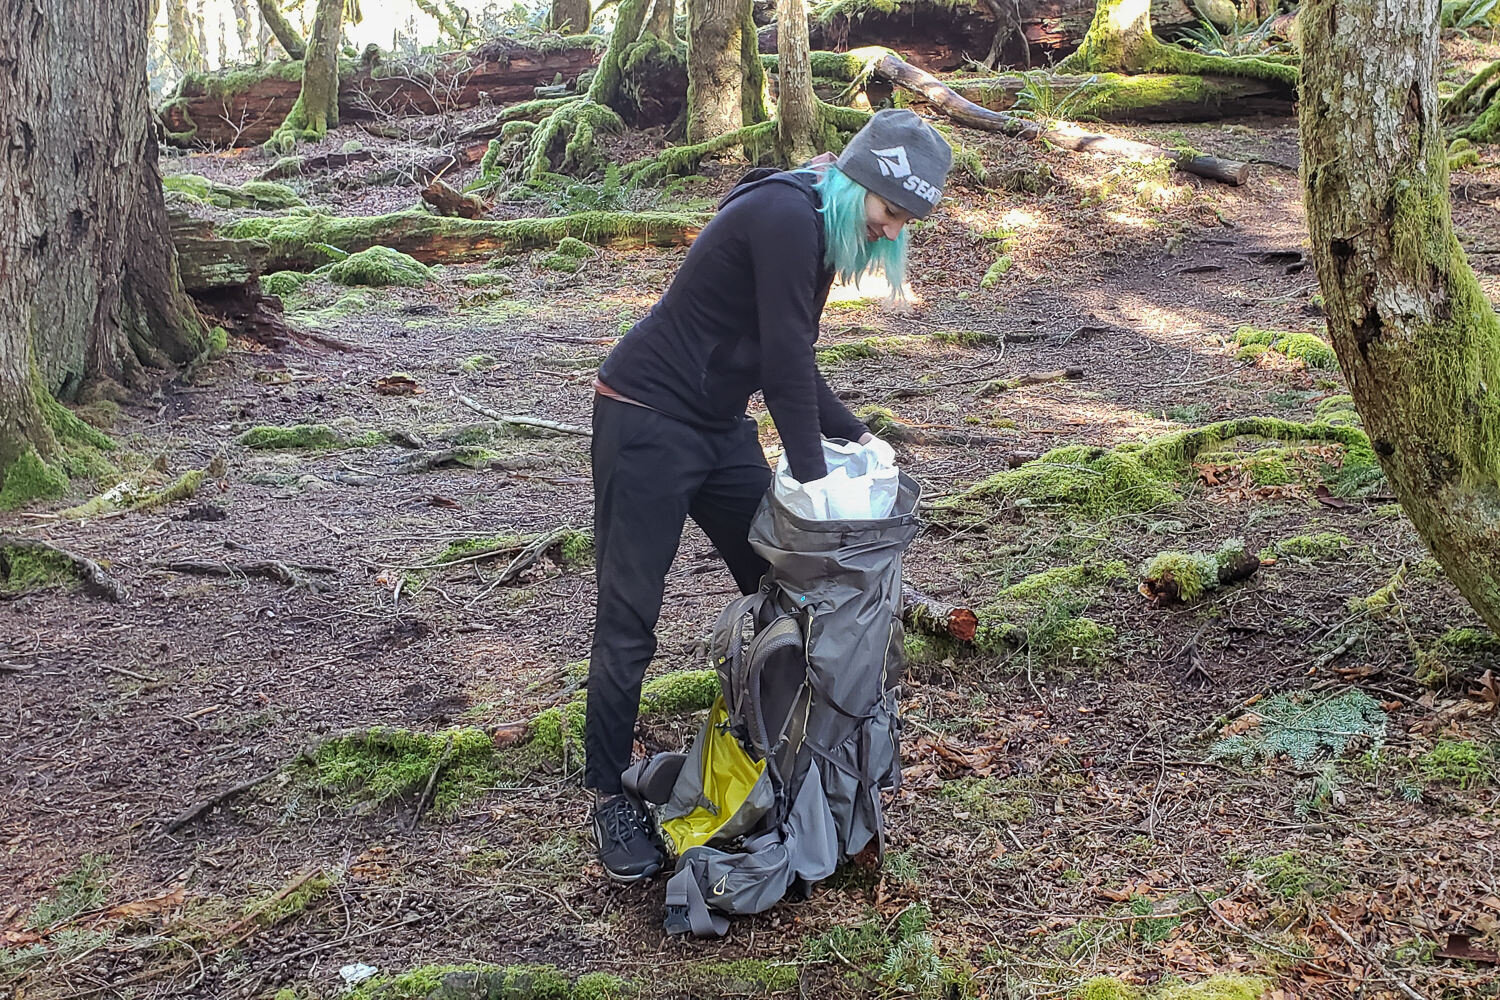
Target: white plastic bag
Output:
[(860, 485)]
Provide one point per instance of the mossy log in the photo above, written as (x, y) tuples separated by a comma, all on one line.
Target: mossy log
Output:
[(1183, 577), (296, 242), (243, 107), (965, 112), (925, 614), (14, 548), (939, 37), (1114, 97)]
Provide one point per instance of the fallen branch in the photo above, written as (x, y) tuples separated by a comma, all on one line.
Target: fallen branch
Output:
[(883, 422), (193, 812), (523, 421), (290, 574), (925, 614), (91, 574), (965, 112), (999, 385), (301, 166), (469, 456)]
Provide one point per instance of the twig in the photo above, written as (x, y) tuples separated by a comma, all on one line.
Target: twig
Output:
[(1370, 957), (95, 580), (289, 574), (522, 421), (131, 673), (192, 813)]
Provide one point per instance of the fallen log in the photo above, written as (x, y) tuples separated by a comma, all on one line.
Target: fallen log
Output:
[(447, 201), (295, 242), (965, 112), (996, 386), (925, 614), (1115, 97), (1184, 577), (941, 37), (301, 166), (243, 107)]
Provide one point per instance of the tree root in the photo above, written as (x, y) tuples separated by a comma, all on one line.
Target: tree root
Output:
[(188, 815), (91, 574), (290, 574)]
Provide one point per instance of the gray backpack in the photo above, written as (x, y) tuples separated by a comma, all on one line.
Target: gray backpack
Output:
[(783, 780)]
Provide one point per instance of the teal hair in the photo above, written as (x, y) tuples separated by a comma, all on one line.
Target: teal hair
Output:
[(849, 253)]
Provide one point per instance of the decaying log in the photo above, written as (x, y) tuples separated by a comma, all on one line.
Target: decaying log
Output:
[(301, 166), (290, 574), (941, 37), (925, 614), (91, 574), (445, 200), (1165, 587), (967, 113), (999, 385), (1146, 98), (206, 113), (432, 239)]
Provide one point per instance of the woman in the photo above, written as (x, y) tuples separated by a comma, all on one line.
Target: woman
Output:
[(671, 436)]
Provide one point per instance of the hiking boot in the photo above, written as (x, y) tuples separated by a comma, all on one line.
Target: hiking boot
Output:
[(626, 849)]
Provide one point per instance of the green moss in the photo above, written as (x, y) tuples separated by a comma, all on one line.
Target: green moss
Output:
[(275, 908), (1220, 987), (1458, 762), (1313, 352), (577, 550), (468, 982), (283, 284), (227, 83), (485, 280), (28, 479), (380, 266), (1289, 875), (987, 800), (743, 977), (23, 570), (603, 986), (558, 731), (1105, 988), (1194, 573), (1315, 546), (1042, 612), (478, 363), (996, 271), (299, 242), (251, 194), (267, 438), (568, 257), (382, 764), (1132, 476), (1384, 598), (679, 693)]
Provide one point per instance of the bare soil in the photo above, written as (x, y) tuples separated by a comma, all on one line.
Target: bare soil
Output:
[(1107, 841)]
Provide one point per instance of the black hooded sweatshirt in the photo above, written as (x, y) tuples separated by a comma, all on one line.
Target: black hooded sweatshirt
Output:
[(742, 315)]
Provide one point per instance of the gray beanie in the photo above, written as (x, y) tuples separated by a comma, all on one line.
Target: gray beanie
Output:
[(901, 158)]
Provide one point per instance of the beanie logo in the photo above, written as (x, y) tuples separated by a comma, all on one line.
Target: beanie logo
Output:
[(892, 161)]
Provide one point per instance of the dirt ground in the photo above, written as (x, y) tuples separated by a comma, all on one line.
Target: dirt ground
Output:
[(1063, 816)]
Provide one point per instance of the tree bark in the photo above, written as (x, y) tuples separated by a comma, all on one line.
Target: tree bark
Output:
[(569, 17), (291, 42), (796, 107), (715, 74), (88, 282), (753, 101), (1120, 40), (662, 21), (1418, 342)]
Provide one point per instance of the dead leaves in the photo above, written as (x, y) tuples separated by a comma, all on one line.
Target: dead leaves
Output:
[(1487, 691), (1460, 946), (123, 913)]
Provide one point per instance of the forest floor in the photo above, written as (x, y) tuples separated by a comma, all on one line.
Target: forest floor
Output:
[(1068, 809)]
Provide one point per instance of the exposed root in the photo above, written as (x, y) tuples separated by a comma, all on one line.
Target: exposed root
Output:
[(290, 574), (91, 574)]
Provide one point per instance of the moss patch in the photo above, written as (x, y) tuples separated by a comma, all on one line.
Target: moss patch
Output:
[(28, 479), (251, 194), (382, 764), (296, 436), (23, 570), (1458, 762), (679, 693), (1320, 545), (380, 266), (1042, 614), (1312, 351), (568, 257)]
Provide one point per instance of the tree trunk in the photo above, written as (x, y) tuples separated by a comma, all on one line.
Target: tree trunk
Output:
[(715, 74), (1415, 336), (1119, 40), (753, 98), (291, 42), (569, 17), (182, 46), (663, 21), (317, 107), (796, 107), (88, 277)]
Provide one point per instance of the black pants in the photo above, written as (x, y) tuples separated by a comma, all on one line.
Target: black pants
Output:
[(651, 473)]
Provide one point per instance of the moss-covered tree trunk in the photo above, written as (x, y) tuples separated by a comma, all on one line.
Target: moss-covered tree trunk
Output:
[(317, 107), (1417, 340), (662, 22), (89, 293), (715, 73), (796, 106), (1479, 97), (1119, 40), (569, 17), (286, 35), (753, 83)]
